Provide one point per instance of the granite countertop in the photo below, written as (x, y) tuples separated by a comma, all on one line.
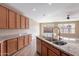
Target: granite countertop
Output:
[(10, 36), (71, 47)]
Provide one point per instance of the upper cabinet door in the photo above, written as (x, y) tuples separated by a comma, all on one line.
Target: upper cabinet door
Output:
[(27, 23), (18, 21), (12, 18), (3, 17), (23, 19)]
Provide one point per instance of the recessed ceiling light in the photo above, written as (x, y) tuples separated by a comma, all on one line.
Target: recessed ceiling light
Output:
[(44, 15), (34, 9), (49, 4)]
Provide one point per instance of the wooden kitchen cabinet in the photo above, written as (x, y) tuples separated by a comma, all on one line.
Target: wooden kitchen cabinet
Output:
[(4, 48), (43, 50), (20, 42), (23, 21), (0, 49), (12, 20), (46, 49), (18, 21), (30, 39), (11, 46), (3, 17), (26, 42), (55, 51), (51, 48), (27, 23), (38, 45), (51, 53)]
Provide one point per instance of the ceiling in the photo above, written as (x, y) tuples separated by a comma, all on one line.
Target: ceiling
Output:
[(44, 12)]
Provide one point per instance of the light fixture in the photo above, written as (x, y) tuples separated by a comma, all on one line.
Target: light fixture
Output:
[(49, 4), (68, 16), (33, 9), (44, 15)]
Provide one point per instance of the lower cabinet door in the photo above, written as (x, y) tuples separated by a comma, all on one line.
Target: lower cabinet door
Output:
[(3, 48), (20, 42), (30, 39), (51, 53), (44, 50), (11, 46), (38, 46), (26, 42)]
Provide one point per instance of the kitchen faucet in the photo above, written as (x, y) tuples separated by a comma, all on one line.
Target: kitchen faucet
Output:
[(56, 33)]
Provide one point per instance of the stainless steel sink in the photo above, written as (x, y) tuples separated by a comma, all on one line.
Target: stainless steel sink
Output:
[(59, 42), (55, 41)]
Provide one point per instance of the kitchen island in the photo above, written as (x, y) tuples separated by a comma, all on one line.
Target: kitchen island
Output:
[(47, 48)]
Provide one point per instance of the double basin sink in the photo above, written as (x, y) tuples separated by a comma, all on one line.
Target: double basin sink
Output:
[(55, 41), (60, 42)]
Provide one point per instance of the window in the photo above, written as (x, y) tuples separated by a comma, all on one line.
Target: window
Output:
[(47, 30), (67, 28)]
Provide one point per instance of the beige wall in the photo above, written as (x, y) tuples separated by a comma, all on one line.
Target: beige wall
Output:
[(76, 34), (33, 28)]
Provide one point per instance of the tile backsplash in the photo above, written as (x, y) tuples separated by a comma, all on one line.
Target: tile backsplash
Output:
[(12, 31)]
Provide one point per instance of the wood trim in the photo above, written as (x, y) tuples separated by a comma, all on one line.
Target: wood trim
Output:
[(8, 18), (0, 49)]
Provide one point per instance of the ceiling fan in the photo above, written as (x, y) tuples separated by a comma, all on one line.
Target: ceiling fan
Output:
[(68, 16)]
